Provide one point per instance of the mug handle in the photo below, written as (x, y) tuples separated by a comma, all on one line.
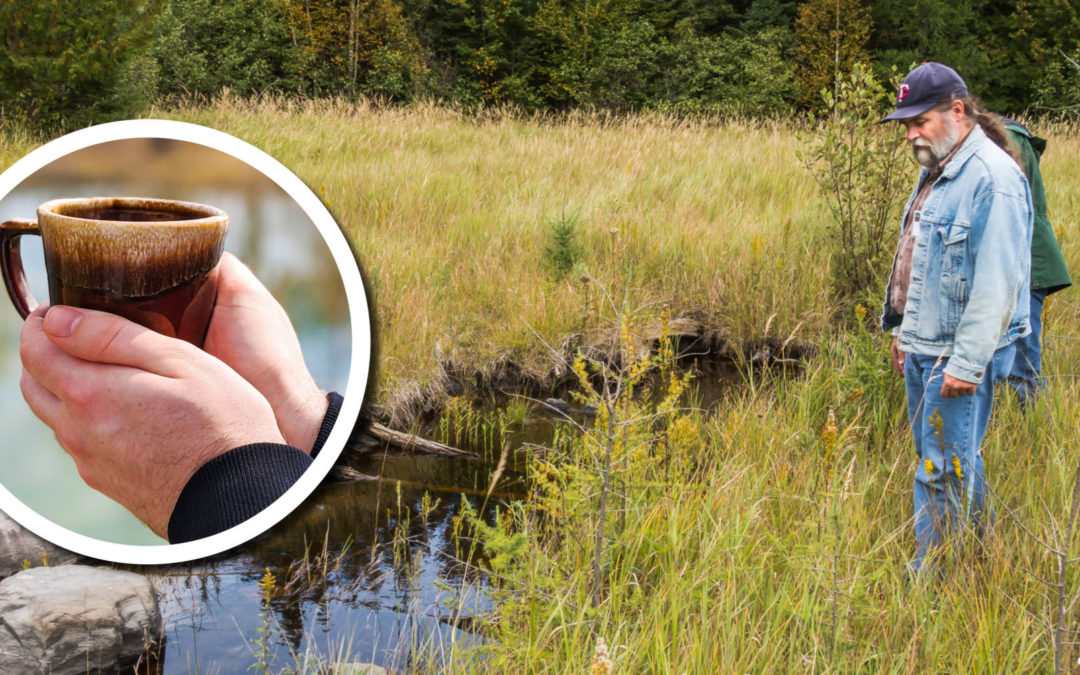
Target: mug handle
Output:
[(11, 263)]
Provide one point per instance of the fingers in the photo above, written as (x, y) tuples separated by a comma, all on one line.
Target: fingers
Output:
[(897, 357), (81, 369), (100, 337), (45, 364), (42, 402), (952, 391)]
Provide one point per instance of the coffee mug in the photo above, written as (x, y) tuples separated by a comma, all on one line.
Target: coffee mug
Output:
[(152, 261)]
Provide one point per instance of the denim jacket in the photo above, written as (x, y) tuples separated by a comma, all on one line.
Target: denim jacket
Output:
[(970, 268)]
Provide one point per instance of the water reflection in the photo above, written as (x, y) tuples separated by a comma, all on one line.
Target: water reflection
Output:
[(267, 230), (358, 597)]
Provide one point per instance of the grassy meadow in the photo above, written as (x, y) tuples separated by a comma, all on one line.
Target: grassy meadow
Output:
[(767, 536), (450, 216)]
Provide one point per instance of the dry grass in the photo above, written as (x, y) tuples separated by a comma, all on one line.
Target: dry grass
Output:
[(450, 214), (729, 571)]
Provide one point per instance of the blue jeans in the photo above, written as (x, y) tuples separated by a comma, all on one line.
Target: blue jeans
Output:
[(1026, 377), (950, 485)]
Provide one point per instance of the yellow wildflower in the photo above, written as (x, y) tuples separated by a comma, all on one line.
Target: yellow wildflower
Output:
[(936, 422), (929, 466), (938, 425), (267, 585), (829, 432), (956, 466), (860, 312), (579, 370)]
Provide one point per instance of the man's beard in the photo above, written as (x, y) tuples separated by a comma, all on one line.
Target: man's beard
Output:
[(930, 154)]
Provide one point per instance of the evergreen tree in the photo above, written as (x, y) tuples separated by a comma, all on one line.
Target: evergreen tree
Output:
[(831, 37), (1028, 50), (599, 53), (203, 46), (66, 64), (356, 47)]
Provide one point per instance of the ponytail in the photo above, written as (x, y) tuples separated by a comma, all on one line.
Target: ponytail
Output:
[(992, 126)]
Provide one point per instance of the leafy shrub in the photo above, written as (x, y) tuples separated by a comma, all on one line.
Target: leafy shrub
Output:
[(861, 170)]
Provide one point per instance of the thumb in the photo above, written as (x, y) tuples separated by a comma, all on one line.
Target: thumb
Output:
[(102, 337), (236, 280)]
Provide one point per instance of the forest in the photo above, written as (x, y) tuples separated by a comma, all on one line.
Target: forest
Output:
[(66, 64)]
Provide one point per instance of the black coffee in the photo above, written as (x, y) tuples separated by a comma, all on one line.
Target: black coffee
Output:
[(133, 215)]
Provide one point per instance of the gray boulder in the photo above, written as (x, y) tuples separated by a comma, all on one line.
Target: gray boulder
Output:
[(76, 619), (18, 544)]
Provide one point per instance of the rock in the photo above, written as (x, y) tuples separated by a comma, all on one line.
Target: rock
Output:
[(76, 619), (18, 544)]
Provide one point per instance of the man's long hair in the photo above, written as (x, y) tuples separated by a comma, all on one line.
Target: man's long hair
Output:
[(990, 122)]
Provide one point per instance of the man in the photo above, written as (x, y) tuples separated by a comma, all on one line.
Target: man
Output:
[(1048, 271), (956, 301)]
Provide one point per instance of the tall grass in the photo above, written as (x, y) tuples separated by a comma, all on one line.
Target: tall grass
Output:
[(785, 548), (450, 216), (778, 548)]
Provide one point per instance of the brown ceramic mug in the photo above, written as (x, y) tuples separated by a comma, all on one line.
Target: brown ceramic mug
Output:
[(152, 261)]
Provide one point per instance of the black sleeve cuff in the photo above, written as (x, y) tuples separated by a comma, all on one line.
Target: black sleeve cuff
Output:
[(233, 487), (332, 411), (240, 483)]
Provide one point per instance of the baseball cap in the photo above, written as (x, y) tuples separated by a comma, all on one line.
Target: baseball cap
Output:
[(924, 87)]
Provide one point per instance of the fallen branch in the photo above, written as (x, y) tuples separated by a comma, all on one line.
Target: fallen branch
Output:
[(411, 443)]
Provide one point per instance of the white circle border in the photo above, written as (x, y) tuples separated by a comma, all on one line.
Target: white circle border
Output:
[(360, 359)]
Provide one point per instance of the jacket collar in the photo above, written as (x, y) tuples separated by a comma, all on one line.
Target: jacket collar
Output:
[(975, 138)]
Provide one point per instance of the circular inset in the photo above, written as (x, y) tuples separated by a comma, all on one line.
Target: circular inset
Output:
[(278, 226)]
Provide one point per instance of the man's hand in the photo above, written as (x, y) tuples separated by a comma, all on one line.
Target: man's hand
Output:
[(898, 357), (138, 412), (252, 334), (954, 388)]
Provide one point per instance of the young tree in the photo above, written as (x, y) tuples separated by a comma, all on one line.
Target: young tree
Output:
[(860, 166)]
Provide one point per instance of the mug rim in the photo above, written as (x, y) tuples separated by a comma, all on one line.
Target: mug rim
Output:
[(211, 215)]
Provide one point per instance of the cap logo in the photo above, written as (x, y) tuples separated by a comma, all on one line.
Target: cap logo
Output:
[(902, 93)]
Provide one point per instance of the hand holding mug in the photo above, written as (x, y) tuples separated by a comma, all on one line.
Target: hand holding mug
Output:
[(252, 334), (138, 412)]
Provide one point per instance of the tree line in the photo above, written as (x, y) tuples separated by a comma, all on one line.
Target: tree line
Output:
[(65, 63)]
